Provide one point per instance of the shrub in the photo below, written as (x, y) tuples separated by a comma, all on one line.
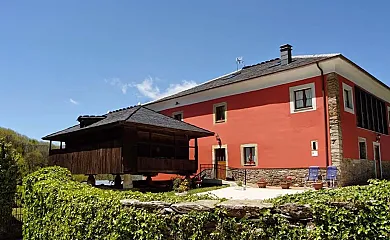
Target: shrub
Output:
[(8, 177), (356, 212), (57, 207)]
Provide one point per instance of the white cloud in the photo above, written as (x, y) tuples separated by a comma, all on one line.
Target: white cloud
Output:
[(73, 101), (118, 83), (148, 88)]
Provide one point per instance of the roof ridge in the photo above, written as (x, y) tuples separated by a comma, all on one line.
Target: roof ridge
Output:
[(131, 114), (316, 55), (122, 109)]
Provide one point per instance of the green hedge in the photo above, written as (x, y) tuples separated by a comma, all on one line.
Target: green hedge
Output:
[(356, 212), (57, 207)]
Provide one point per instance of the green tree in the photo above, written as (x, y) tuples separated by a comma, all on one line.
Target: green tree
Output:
[(33, 154), (8, 177)]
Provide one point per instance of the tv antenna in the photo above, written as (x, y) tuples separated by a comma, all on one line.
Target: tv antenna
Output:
[(239, 61)]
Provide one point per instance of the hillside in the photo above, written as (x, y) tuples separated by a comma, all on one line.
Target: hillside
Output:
[(34, 153)]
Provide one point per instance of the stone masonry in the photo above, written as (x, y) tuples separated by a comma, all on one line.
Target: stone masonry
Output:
[(336, 138), (272, 176)]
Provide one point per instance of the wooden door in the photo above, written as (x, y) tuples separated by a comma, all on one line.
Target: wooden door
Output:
[(220, 160), (377, 158)]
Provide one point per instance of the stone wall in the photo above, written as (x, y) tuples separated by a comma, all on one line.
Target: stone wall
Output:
[(357, 171), (250, 209), (386, 169), (273, 176)]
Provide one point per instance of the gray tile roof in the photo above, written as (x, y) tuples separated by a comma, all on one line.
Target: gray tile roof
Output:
[(253, 71), (137, 115)]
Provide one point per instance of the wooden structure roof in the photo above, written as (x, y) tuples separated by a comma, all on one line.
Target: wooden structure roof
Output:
[(134, 116)]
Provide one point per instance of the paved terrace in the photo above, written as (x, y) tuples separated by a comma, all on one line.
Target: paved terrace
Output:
[(253, 193)]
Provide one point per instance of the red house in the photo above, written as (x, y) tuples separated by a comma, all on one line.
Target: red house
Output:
[(278, 117)]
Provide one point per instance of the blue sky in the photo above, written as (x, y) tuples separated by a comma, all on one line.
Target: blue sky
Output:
[(62, 59)]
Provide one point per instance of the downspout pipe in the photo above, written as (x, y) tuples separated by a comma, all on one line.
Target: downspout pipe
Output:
[(325, 115)]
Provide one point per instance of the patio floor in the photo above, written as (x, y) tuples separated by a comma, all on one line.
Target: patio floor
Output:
[(239, 193)]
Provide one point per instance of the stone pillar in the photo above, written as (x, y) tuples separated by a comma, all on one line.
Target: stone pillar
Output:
[(336, 138), (127, 181), (91, 180)]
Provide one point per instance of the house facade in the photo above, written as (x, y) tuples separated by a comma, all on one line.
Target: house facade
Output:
[(279, 117)]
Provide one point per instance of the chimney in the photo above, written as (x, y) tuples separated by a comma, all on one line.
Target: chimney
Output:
[(285, 54)]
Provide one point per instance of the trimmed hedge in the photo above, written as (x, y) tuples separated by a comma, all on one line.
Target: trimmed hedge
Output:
[(57, 207)]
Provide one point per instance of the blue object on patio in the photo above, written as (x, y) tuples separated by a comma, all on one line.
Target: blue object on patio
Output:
[(314, 172), (331, 175)]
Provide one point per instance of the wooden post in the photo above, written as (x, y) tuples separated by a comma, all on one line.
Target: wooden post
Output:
[(91, 180), (50, 146), (150, 144), (60, 144), (196, 153), (174, 146)]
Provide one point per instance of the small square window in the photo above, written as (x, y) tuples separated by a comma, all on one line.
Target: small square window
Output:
[(178, 116), (314, 145), (362, 148), (220, 112), (249, 154), (348, 98), (302, 98)]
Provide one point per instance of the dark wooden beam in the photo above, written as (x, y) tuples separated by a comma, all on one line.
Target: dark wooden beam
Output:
[(196, 151), (50, 145), (174, 146), (150, 144)]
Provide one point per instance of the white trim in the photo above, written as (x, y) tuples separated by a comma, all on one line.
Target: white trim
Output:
[(242, 146), (349, 89), (178, 112), (214, 112), (377, 144), (361, 139), (360, 78), (249, 85), (337, 65), (380, 157), (292, 98)]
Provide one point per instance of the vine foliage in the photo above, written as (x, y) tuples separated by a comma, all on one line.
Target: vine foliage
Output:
[(56, 207)]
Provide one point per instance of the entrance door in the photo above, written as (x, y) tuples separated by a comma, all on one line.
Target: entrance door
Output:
[(220, 160), (377, 158)]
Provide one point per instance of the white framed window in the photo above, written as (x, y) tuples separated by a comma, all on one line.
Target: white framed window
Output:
[(362, 148), (220, 112), (249, 155), (314, 148), (348, 99), (314, 145), (302, 98), (178, 115)]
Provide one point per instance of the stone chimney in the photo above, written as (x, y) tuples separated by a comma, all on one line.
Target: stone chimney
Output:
[(285, 54)]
